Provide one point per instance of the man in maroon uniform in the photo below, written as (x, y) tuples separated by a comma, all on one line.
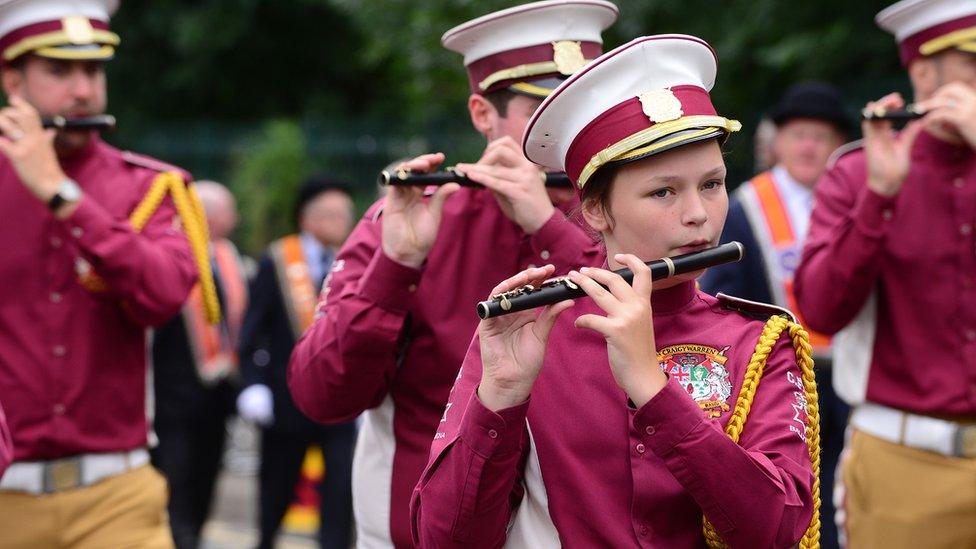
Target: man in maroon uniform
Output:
[(81, 285), (890, 256), (398, 311)]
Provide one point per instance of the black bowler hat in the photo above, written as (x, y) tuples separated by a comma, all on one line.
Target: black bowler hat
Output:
[(816, 100), (314, 186)]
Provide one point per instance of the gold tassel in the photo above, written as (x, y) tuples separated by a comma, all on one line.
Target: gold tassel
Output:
[(743, 405), (190, 210)]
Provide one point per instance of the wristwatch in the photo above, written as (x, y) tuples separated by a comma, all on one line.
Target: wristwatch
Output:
[(68, 191)]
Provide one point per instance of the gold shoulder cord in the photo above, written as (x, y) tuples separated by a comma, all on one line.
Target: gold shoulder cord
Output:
[(190, 210), (774, 327)]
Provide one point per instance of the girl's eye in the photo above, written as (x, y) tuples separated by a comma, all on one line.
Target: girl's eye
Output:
[(714, 184), (660, 193)]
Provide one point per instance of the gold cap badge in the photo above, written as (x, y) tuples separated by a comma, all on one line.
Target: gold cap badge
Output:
[(660, 105), (78, 29), (568, 57)]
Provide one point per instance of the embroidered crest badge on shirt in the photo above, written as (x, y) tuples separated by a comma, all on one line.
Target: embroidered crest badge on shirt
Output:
[(701, 371)]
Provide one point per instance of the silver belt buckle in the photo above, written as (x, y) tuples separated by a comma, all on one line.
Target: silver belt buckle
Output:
[(964, 443), (62, 474)]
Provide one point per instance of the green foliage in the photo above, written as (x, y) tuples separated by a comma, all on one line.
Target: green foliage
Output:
[(266, 174)]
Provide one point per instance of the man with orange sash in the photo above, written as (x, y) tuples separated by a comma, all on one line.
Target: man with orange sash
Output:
[(283, 300), (194, 373), (770, 215)]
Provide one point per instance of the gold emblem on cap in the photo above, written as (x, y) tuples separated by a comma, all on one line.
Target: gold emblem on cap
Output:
[(568, 57), (78, 29), (661, 105)]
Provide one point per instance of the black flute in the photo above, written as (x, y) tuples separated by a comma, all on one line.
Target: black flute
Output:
[(96, 122), (558, 289), (910, 112), (401, 178)]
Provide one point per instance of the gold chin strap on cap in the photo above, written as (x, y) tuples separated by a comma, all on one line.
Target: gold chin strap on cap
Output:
[(190, 210), (775, 326)]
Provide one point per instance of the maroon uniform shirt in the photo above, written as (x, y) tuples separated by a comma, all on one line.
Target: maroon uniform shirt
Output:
[(73, 362), (390, 339), (578, 466), (916, 252)]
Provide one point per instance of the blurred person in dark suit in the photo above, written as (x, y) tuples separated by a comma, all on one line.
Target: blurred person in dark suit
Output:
[(283, 300)]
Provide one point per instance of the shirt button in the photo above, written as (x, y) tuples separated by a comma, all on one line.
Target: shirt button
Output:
[(970, 335), (59, 350), (77, 232), (887, 215), (59, 409), (544, 254), (649, 430), (965, 228), (55, 242), (55, 297), (643, 530), (492, 433), (412, 288), (640, 448), (959, 182)]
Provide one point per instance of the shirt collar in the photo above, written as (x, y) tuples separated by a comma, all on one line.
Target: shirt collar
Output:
[(672, 299)]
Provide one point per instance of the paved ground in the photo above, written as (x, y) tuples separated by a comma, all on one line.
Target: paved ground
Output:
[(233, 523)]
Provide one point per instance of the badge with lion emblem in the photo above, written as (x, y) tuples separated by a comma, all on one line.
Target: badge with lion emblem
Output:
[(701, 371)]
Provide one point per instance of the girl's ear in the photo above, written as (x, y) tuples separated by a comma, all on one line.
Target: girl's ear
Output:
[(595, 215)]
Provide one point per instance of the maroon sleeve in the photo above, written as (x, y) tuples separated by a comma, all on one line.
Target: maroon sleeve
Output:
[(6, 445), (565, 244), (466, 496), (841, 256), (757, 493), (346, 360), (151, 271)]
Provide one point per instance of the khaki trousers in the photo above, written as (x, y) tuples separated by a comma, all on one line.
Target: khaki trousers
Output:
[(894, 496), (127, 510)]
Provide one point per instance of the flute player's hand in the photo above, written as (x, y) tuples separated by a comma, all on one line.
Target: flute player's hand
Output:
[(628, 325), (516, 182), (411, 220), (30, 149), (512, 346), (888, 155)]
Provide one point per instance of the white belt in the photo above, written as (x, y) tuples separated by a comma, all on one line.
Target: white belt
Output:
[(925, 433), (45, 477)]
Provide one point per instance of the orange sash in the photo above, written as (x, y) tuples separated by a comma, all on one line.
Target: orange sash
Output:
[(782, 238), (214, 345), (295, 282)]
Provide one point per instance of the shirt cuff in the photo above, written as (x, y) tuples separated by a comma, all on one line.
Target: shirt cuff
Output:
[(493, 433), (389, 284), (873, 213), (559, 234), (665, 420), (89, 224)]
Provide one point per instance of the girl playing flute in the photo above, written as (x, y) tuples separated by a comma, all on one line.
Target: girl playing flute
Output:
[(634, 418)]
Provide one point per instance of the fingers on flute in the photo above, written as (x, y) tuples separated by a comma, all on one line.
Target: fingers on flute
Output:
[(534, 276), (423, 163), (600, 295), (643, 281)]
